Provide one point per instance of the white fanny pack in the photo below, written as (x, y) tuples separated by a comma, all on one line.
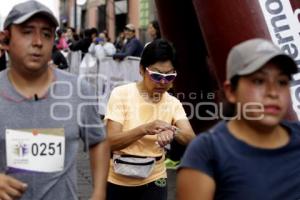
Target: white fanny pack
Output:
[(133, 166)]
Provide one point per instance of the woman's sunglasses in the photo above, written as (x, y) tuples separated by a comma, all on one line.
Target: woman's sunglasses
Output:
[(158, 77)]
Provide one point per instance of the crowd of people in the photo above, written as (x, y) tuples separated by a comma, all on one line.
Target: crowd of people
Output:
[(45, 112), (96, 43)]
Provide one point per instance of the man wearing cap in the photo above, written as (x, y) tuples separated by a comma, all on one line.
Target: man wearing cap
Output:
[(255, 154), (44, 113), (133, 46)]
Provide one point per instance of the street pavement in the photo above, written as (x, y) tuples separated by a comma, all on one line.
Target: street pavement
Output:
[(85, 181)]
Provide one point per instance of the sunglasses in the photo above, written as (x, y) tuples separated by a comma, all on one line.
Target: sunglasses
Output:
[(158, 77)]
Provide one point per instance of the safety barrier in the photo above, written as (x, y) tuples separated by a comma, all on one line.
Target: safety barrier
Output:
[(105, 74)]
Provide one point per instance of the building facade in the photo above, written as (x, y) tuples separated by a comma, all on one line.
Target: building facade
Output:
[(110, 15)]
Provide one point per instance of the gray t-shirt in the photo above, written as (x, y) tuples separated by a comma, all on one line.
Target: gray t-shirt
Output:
[(70, 104)]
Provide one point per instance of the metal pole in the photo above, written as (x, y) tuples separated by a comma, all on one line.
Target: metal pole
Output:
[(75, 15)]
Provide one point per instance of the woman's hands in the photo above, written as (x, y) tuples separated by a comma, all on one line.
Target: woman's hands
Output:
[(121, 139), (165, 137), (165, 132), (155, 127)]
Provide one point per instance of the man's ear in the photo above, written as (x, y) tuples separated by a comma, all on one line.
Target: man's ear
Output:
[(229, 92)]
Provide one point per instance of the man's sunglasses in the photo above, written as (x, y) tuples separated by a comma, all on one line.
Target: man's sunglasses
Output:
[(158, 77)]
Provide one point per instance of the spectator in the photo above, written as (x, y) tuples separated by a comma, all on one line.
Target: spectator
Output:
[(94, 35), (109, 48), (71, 34), (61, 43), (153, 30), (59, 59), (40, 127), (96, 48), (120, 41), (133, 46), (256, 154), (74, 57), (83, 44)]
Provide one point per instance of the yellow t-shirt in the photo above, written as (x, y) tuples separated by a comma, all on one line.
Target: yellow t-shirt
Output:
[(128, 107)]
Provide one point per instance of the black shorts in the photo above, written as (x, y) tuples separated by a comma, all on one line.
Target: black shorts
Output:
[(157, 190)]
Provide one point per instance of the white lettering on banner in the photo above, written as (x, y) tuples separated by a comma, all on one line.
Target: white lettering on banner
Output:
[(34, 152), (284, 28)]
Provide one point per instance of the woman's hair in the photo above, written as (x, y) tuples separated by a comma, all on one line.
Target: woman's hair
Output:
[(157, 51), (157, 29)]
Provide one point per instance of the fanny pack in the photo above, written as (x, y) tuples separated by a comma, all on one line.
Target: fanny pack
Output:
[(133, 166)]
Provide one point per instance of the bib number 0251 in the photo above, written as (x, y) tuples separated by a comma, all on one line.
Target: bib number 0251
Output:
[(46, 149)]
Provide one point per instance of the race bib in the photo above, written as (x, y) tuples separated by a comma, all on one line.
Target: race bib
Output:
[(38, 150)]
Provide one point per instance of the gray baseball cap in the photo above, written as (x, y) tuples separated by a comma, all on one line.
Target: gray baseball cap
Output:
[(23, 11), (251, 55)]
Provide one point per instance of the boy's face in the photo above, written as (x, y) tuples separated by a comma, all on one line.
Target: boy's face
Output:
[(30, 45), (269, 87)]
